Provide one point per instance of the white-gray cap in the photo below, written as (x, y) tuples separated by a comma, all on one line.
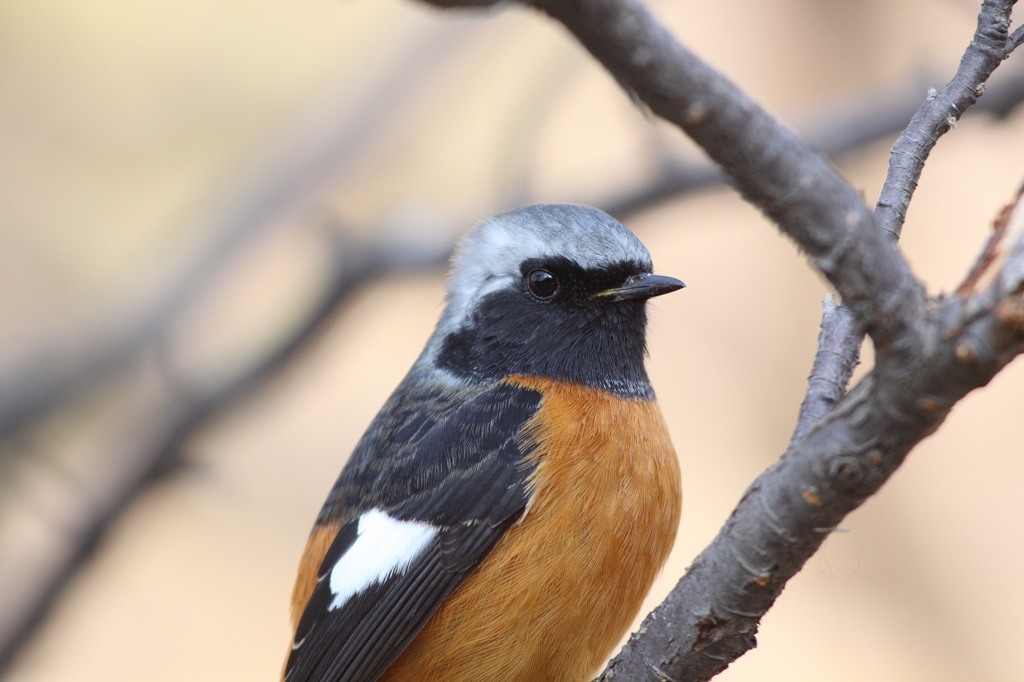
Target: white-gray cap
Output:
[(489, 256)]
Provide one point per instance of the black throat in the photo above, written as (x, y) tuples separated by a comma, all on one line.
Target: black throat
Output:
[(572, 336)]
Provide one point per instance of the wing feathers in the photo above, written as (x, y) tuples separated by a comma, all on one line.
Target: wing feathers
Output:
[(381, 622), (464, 478)]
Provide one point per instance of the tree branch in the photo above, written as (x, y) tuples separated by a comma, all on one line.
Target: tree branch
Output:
[(711, 616), (934, 117), (837, 356), (941, 111), (794, 185), (833, 129), (1015, 40), (929, 353)]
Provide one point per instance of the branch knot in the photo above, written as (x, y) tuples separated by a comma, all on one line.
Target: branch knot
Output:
[(846, 473)]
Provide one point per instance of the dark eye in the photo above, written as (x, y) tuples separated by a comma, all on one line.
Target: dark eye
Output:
[(542, 283)]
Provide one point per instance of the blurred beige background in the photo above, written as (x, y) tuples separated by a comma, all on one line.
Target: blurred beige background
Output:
[(123, 127)]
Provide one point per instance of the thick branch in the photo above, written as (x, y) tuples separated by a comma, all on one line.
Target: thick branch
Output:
[(933, 118), (712, 615), (927, 356), (794, 185), (855, 120)]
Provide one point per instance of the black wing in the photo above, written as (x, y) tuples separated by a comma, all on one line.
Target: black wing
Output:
[(450, 488)]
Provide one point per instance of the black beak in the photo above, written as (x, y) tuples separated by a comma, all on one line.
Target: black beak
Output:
[(642, 287)]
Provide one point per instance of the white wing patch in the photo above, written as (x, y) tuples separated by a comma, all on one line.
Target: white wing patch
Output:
[(384, 546)]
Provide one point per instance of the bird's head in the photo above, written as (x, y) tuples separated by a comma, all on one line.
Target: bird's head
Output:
[(556, 291)]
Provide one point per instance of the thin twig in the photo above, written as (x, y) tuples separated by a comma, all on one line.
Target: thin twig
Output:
[(794, 185), (990, 252), (833, 129), (940, 112), (834, 363), (934, 117), (1015, 40)]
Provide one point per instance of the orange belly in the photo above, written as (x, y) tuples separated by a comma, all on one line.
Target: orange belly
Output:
[(561, 587)]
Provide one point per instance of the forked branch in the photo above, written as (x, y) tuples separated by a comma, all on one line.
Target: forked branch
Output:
[(929, 352)]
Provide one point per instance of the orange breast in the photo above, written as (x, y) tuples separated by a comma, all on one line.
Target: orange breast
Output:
[(563, 585)]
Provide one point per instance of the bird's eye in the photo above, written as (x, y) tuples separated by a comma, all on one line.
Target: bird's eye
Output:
[(542, 283)]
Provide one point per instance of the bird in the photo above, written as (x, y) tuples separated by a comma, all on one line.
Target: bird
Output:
[(507, 510)]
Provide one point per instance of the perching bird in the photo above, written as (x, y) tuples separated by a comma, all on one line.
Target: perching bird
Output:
[(505, 513)]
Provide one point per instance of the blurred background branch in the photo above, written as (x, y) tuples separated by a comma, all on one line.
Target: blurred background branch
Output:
[(52, 370), (144, 441)]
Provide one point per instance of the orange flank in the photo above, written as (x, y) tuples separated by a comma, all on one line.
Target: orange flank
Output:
[(319, 542), (562, 586)]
